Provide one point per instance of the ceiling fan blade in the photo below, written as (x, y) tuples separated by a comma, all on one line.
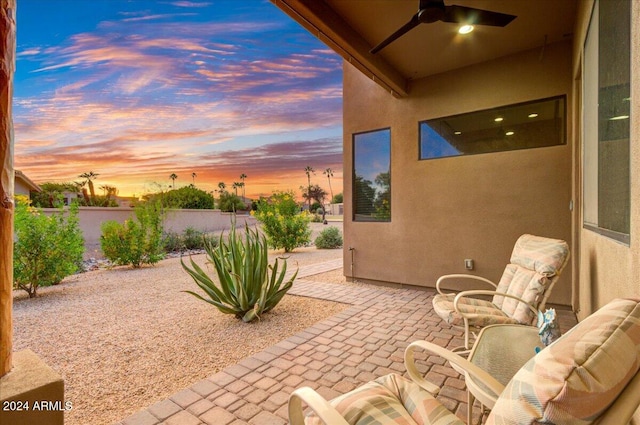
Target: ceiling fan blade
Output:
[(414, 22), (469, 15)]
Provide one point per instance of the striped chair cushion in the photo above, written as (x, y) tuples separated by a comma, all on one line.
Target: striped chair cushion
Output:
[(489, 313), (390, 399), (575, 379), (534, 261)]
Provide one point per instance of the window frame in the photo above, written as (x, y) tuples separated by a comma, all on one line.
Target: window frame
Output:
[(563, 132), (590, 166), (354, 213)]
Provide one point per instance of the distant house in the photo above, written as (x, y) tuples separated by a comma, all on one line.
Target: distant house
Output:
[(23, 185)]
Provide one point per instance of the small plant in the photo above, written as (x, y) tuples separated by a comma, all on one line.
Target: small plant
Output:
[(172, 242), (329, 238), (248, 285), (136, 242), (47, 249), (285, 226)]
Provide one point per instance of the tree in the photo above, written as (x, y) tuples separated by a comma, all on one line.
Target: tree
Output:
[(329, 173), (230, 203), (89, 177), (109, 191), (221, 187), (187, 197), (235, 187), (337, 199), (242, 177), (52, 194), (317, 194), (193, 178), (173, 178), (308, 170)]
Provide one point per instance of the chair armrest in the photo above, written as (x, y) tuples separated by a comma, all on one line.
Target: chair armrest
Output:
[(327, 413), (485, 292), (461, 362), (461, 276)]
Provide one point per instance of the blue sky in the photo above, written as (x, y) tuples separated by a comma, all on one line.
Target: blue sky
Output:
[(137, 90)]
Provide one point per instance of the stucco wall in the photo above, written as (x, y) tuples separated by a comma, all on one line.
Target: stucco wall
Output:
[(449, 209), (177, 221), (609, 269)]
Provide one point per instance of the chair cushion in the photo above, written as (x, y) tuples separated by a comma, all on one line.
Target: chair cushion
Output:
[(575, 379), (488, 313), (542, 255), (526, 284), (390, 399), (534, 261)]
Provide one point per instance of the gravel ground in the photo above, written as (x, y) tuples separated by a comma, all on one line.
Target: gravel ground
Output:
[(126, 338)]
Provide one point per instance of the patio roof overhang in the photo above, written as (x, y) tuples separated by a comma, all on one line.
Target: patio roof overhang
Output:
[(352, 28)]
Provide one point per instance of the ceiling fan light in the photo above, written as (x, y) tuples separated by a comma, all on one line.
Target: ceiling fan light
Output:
[(465, 29)]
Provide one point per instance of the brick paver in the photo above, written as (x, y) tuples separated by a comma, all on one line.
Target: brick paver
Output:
[(333, 356)]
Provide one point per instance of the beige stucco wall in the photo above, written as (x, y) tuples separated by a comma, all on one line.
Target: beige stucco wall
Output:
[(608, 269), (449, 209), (91, 218)]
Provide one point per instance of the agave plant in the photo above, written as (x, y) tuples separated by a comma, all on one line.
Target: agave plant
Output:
[(248, 285)]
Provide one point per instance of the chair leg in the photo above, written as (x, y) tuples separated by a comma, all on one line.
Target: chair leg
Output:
[(470, 400)]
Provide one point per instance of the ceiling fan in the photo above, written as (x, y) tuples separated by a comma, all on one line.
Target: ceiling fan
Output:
[(434, 10)]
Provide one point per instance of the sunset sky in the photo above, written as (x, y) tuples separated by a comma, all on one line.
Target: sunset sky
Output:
[(137, 90)]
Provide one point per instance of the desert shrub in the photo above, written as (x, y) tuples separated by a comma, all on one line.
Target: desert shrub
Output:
[(197, 239), (190, 239), (187, 197), (248, 285), (283, 223), (47, 248), (230, 202), (329, 238), (172, 242), (137, 241)]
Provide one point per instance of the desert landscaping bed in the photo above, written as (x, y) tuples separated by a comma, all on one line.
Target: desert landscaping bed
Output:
[(126, 338)]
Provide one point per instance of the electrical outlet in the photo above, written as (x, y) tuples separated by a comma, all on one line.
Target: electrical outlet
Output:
[(468, 264)]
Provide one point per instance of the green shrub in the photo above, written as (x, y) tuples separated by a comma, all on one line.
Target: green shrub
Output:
[(283, 223), (246, 288), (172, 242), (230, 202), (187, 197), (137, 241), (329, 238), (47, 248), (190, 239)]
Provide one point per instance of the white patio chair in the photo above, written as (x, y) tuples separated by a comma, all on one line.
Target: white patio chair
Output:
[(591, 375), (527, 281)]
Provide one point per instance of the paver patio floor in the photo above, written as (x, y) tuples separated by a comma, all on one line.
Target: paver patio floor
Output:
[(334, 356)]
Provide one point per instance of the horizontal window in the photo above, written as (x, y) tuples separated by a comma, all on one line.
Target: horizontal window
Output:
[(521, 126)]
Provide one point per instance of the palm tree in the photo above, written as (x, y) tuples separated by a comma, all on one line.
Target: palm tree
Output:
[(89, 177), (242, 177), (193, 178), (221, 187), (173, 178), (329, 173), (235, 187), (308, 170)]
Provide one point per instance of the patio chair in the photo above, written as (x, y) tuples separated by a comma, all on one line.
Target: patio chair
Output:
[(525, 286), (591, 375)]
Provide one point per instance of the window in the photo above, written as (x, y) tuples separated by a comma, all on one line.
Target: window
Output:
[(521, 126), (372, 176), (606, 120)]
